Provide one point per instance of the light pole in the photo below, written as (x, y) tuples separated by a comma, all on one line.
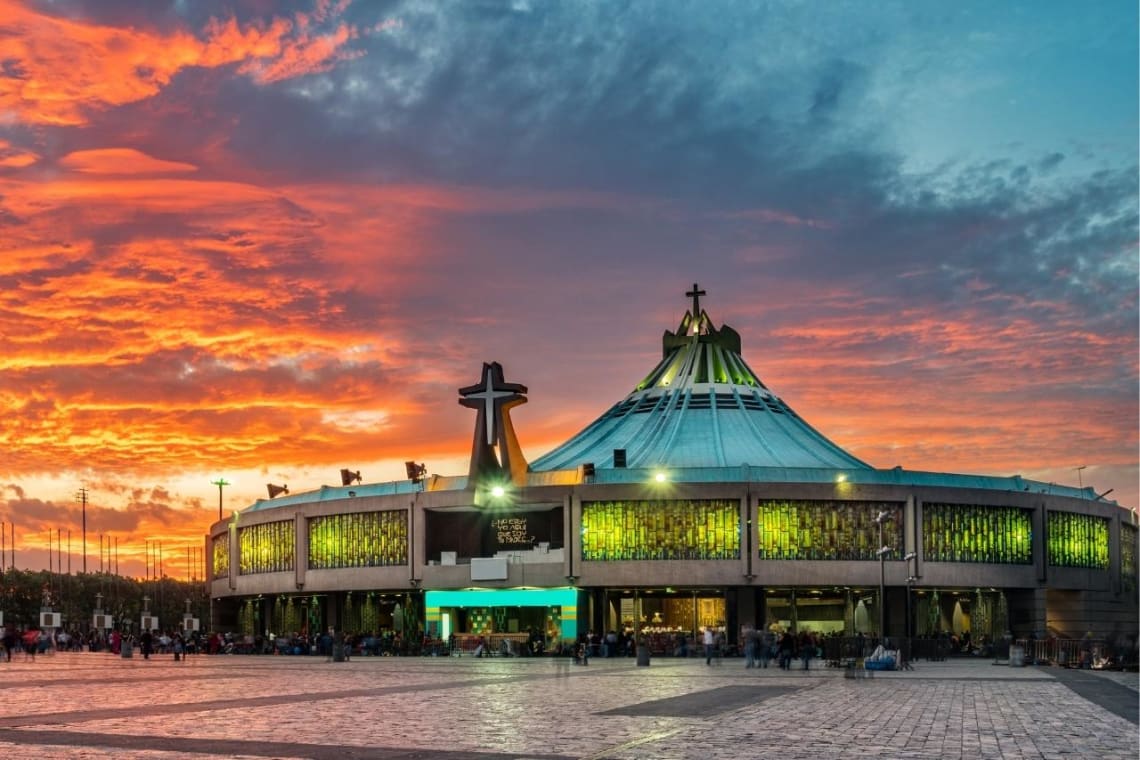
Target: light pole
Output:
[(1080, 480), (910, 558), (81, 497), (220, 483), (910, 579), (884, 550)]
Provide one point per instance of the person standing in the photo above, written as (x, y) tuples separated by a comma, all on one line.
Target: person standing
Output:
[(146, 642), (709, 640), (9, 642)]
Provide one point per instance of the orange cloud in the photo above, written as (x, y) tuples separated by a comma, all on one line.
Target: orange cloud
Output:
[(121, 161), (14, 157), (65, 69)]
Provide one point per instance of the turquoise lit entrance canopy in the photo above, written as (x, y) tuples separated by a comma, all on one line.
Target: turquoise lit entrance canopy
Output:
[(566, 599), (701, 406)]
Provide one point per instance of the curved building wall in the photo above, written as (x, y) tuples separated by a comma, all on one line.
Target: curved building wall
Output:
[(1062, 564)]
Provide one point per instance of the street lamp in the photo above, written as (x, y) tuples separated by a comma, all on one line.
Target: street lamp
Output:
[(884, 550), (220, 483), (910, 558), (1080, 480), (910, 580)]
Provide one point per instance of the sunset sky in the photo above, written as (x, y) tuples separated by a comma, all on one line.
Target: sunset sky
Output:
[(267, 240)]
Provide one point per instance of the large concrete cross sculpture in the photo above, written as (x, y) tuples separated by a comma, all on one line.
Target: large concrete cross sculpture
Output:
[(492, 398)]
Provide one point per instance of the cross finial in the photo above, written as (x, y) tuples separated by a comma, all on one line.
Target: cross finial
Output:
[(696, 294)]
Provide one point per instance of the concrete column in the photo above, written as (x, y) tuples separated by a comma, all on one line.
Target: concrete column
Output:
[(300, 548), (235, 555)]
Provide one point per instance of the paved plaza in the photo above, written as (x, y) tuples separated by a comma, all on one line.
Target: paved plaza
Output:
[(101, 706)]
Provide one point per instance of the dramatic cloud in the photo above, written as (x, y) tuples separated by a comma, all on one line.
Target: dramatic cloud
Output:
[(120, 161), (268, 244), (58, 70)]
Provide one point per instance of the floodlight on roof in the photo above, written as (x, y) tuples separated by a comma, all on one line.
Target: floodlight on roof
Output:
[(275, 491), (416, 472), (347, 477)]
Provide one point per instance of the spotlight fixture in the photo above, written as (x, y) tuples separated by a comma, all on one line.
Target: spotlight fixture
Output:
[(275, 491), (347, 477), (416, 472)]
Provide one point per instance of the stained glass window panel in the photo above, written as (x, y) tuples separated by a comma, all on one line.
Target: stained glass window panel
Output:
[(1077, 540), (977, 533), (220, 555), (661, 529), (1128, 556), (362, 539), (825, 530), (266, 548)]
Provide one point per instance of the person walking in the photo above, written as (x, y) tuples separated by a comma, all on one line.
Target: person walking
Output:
[(709, 640), (751, 644), (807, 647), (787, 650), (767, 647)]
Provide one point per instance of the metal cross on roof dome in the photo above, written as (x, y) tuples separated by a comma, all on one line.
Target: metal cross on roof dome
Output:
[(696, 294), (492, 397), (491, 394)]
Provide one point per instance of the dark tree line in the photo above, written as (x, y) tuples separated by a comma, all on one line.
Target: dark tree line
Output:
[(23, 594)]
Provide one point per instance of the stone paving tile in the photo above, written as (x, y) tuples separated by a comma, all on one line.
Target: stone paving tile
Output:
[(392, 708)]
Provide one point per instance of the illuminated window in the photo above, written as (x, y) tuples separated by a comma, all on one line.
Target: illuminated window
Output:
[(361, 539), (1128, 556), (287, 616), (1077, 540), (266, 548), (826, 530), (661, 529), (976, 533), (220, 553)]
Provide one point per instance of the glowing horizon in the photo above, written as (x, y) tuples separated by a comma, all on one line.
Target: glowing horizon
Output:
[(266, 246)]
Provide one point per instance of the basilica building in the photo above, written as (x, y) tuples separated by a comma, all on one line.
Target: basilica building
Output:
[(700, 499)]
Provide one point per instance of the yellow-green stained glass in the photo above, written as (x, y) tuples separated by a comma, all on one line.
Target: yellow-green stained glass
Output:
[(1077, 540), (220, 555), (661, 529), (266, 548), (286, 616), (977, 533), (363, 539), (825, 530), (1128, 568)]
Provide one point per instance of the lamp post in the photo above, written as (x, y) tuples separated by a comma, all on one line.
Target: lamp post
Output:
[(910, 558), (81, 497), (910, 579), (1080, 480), (884, 550), (220, 483)]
